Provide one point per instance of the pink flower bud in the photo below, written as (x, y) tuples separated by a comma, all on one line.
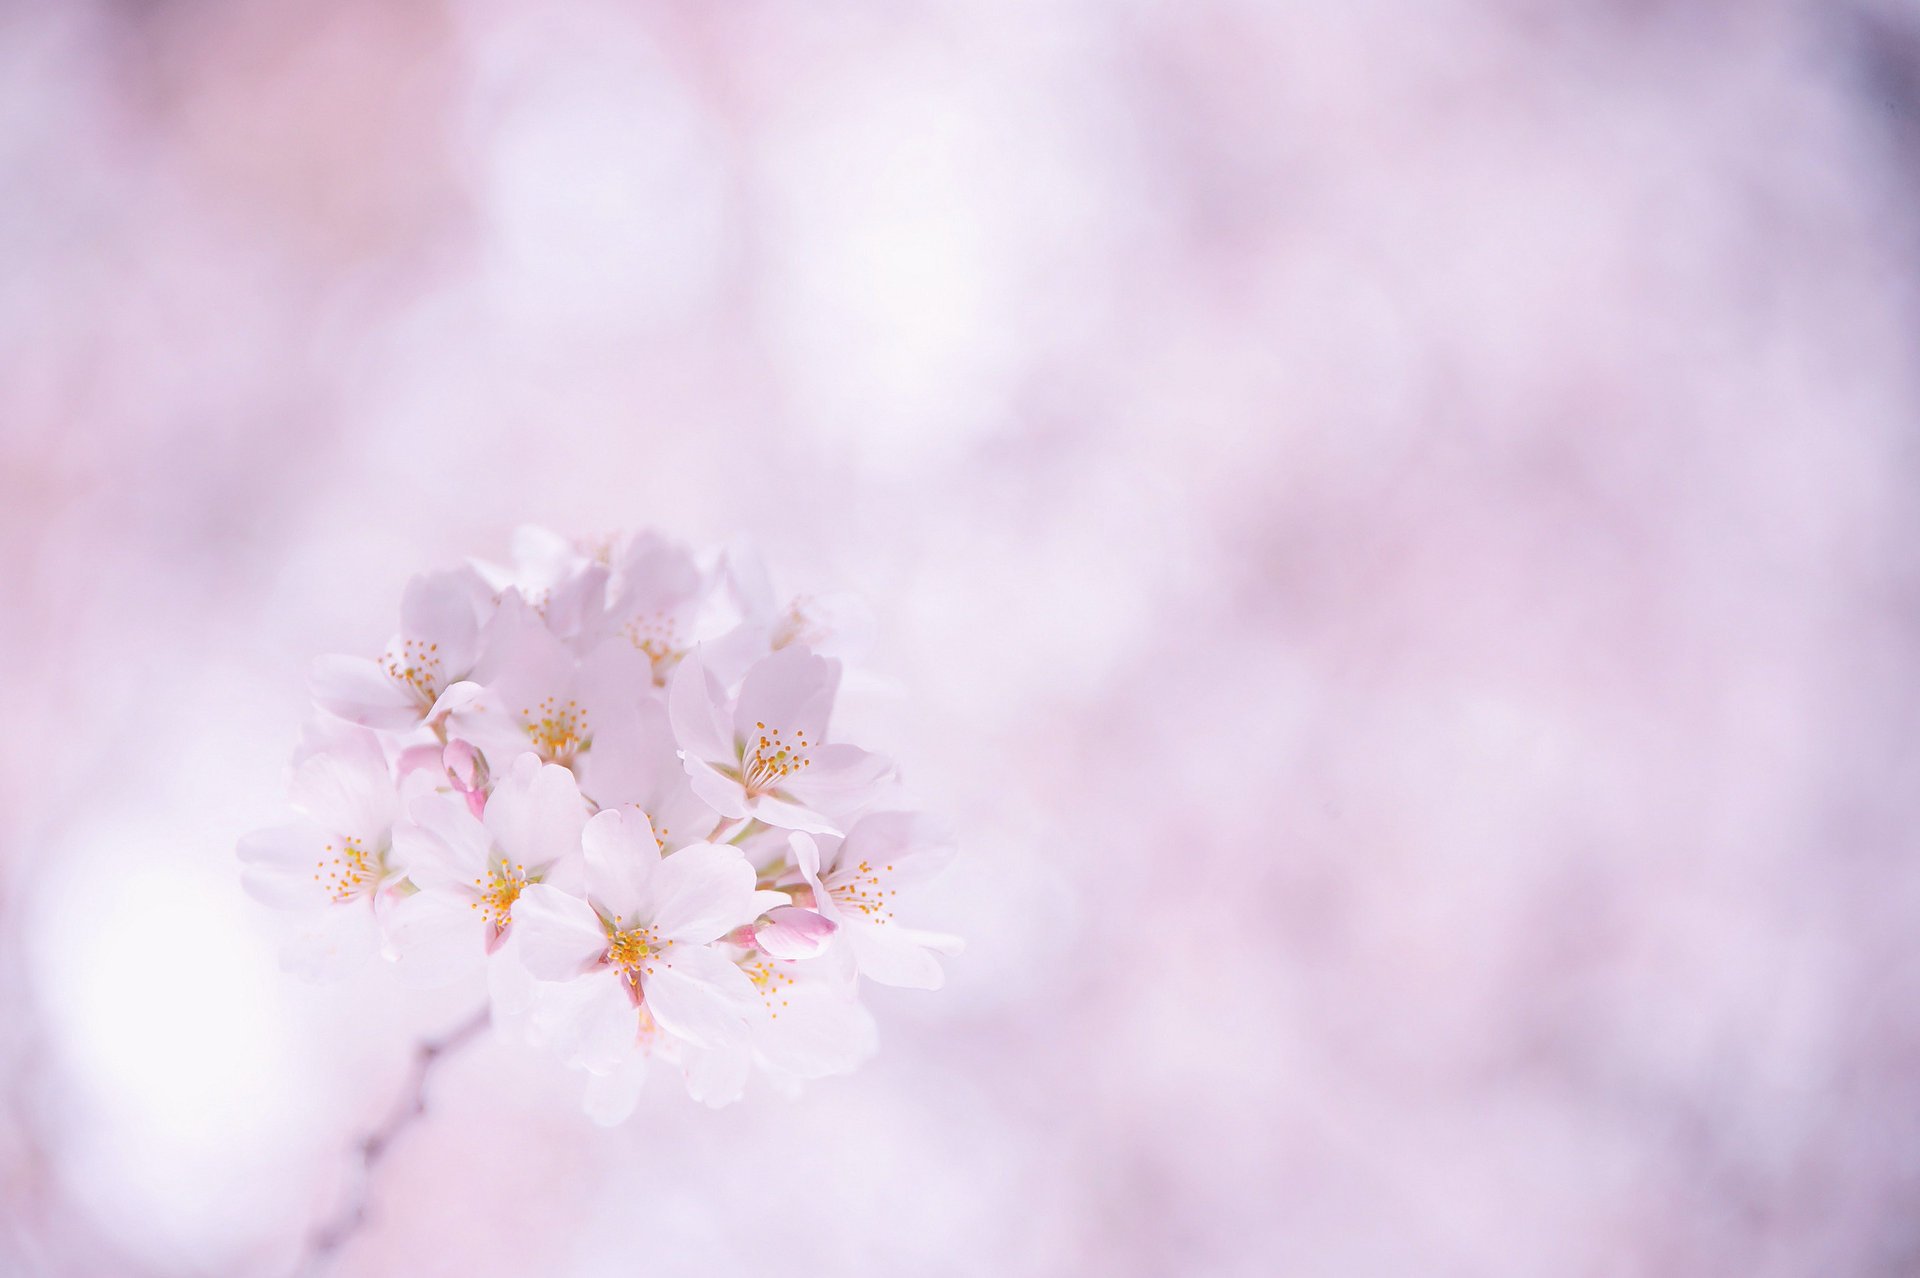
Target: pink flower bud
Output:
[(789, 932)]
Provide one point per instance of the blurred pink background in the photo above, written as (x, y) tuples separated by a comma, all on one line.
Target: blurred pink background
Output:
[(1395, 523)]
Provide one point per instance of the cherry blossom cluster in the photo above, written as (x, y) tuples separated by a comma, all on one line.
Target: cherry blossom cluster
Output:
[(604, 779)]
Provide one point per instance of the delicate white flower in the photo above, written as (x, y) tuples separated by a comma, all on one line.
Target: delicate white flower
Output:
[(640, 936), (472, 874), (658, 599), (334, 865), (855, 880), (765, 754)]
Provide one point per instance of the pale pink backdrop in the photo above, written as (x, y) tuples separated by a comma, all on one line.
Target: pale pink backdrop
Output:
[(1394, 527)]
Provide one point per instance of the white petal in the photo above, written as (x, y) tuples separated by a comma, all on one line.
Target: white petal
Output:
[(536, 814), (892, 956), (349, 793), (590, 1021), (791, 816), (559, 936), (280, 864), (907, 847), (696, 707), (703, 892), (692, 1008), (444, 846), (435, 939), (438, 608), (791, 691), (622, 857), (359, 691), (721, 793), (839, 776)]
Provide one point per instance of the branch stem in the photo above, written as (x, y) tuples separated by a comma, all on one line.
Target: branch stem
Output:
[(331, 1236)]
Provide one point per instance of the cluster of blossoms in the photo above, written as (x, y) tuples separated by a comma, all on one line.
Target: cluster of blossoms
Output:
[(605, 778)]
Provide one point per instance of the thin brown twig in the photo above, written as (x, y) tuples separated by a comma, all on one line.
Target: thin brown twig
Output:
[(326, 1241)]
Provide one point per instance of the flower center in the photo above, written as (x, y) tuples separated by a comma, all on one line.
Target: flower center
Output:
[(657, 635), (557, 729), (798, 625), (768, 758), (498, 891), (864, 890), (415, 665), (347, 869), (772, 982), (628, 949)]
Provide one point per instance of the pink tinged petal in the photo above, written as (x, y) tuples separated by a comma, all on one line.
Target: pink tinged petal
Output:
[(702, 892), (654, 574), (790, 816), (745, 573), (463, 765), (350, 792), (614, 681), (939, 942), (511, 989), (806, 854), (536, 814), (622, 858), (730, 655), (719, 973), (610, 1097), (809, 856), (457, 698), (280, 864), (681, 816), (793, 691), (577, 603), (518, 654), (693, 1008), (721, 793), (435, 939), (789, 932), (323, 734), (498, 736), (359, 691), (558, 936), (591, 1021), (696, 707), (630, 758), (908, 847), (416, 759), (438, 608), (839, 774), (444, 848), (637, 761), (891, 956)]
